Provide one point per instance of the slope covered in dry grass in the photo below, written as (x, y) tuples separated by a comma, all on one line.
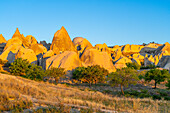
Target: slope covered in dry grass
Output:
[(14, 90)]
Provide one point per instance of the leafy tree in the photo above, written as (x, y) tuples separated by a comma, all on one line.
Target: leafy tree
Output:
[(35, 72), (168, 84), (56, 73), (156, 75), (90, 74), (19, 67), (123, 77), (133, 65)]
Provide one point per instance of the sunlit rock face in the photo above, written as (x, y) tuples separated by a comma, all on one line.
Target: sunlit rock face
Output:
[(38, 49), (94, 57), (62, 42), (68, 60), (2, 39), (26, 54), (81, 44)]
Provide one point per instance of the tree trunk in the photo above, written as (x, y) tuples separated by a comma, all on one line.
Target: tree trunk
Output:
[(155, 85), (89, 84), (122, 89)]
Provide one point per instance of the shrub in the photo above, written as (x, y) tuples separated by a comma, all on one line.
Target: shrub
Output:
[(168, 84), (123, 77), (163, 94), (35, 72), (166, 98), (91, 74), (151, 66), (19, 67), (133, 65), (156, 97), (156, 75), (55, 73)]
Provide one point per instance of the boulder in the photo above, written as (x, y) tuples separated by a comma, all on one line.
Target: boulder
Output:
[(164, 62), (121, 63), (117, 54), (103, 48), (9, 53), (13, 41), (62, 42), (26, 54), (2, 39), (44, 43), (82, 44), (94, 57), (31, 40), (68, 60), (131, 49), (49, 53), (163, 50), (38, 49)]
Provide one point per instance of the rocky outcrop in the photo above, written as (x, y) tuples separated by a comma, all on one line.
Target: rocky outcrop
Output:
[(9, 53), (2, 39), (82, 44), (44, 43), (26, 54), (31, 40), (131, 49), (62, 42), (68, 60), (94, 57), (163, 50), (49, 53), (103, 48), (120, 63), (164, 62), (38, 49)]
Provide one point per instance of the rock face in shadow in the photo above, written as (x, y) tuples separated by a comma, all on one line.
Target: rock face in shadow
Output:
[(9, 53), (62, 42), (164, 62), (44, 43), (94, 57), (68, 60)]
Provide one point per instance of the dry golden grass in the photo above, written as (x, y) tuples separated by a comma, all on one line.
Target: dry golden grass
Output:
[(45, 93)]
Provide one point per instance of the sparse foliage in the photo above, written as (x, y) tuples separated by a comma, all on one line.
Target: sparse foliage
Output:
[(56, 73), (133, 65), (123, 77)]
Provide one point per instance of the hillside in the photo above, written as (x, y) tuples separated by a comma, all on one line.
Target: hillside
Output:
[(31, 95)]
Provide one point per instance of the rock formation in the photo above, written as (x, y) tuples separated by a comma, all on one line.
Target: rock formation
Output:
[(26, 54), (62, 42), (38, 49), (2, 39), (68, 60), (94, 57)]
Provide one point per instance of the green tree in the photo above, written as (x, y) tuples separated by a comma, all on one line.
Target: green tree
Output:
[(123, 77), (19, 67), (168, 84), (133, 65), (35, 72), (90, 74), (157, 75), (56, 73)]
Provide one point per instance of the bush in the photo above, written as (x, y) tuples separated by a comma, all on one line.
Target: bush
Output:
[(55, 73), (133, 65), (19, 67), (163, 94), (167, 98), (156, 97), (91, 74), (151, 66), (35, 72), (168, 84)]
